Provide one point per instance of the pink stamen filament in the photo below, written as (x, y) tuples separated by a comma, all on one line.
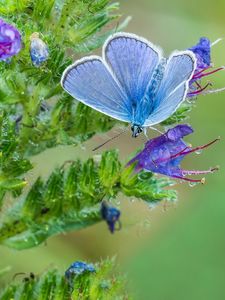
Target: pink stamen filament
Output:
[(189, 179), (200, 147), (200, 75), (170, 157), (199, 91), (192, 172), (182, 152), (179, 153), (200, 72)]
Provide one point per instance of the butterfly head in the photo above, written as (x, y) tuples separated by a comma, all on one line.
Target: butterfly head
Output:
[(136, 130)]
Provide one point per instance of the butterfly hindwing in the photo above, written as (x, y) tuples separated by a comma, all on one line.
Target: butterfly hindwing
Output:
[(174, 86), (92, 83)]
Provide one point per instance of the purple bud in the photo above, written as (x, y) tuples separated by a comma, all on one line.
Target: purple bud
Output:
[(10, 41), (111, 215), (202, 51), (38, 50)]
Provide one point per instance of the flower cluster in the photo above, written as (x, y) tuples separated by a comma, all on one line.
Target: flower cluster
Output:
[(11, 44), (202, 51), (10, 41), (164, 154)]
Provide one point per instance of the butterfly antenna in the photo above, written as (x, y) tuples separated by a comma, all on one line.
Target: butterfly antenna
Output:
[(155, 129), (116, 28), (109, 140)]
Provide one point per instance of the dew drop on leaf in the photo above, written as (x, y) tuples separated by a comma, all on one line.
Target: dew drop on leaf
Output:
[(152, 205)]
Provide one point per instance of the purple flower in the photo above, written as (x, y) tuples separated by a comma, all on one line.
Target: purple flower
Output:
[(111, 215), (164, 154), (202, 51), (78, 268), (10, 41)]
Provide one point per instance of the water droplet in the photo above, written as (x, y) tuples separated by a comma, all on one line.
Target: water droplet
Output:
[(152, 205), (198, 151), (82, 147), (147, 223), (190, 100), (132, 200), (97, 158), (117, 202), (192, 184)]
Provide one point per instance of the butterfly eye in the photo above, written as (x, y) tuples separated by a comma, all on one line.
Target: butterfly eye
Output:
[(136, 130)]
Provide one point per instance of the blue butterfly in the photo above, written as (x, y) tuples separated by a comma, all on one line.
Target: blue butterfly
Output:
[(132, 82)]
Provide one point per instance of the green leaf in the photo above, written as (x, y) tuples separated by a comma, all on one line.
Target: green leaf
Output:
[(71, 197), (12, 6), (46, 116), (104, 283), (99, 38), (13, 165), (146, 186), (4, 271), (68, 123)]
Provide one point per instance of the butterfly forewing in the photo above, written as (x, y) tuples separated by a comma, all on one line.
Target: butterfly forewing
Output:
[(91, 82), (132, 60)]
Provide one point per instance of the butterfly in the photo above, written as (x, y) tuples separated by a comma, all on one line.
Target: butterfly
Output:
[(132, 82)]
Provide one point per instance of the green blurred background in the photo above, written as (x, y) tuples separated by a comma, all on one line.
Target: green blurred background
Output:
[(168, 253)]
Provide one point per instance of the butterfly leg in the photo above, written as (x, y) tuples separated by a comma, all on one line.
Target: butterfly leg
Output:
[(145, 133), (153, 128)]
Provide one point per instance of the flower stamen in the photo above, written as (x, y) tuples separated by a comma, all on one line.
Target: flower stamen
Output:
[(200, 147), (200, 90), (201, 74), (202, 180), (193, 172)]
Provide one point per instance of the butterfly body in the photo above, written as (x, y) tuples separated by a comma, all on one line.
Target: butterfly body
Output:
[(144, 108), (132, 82)]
